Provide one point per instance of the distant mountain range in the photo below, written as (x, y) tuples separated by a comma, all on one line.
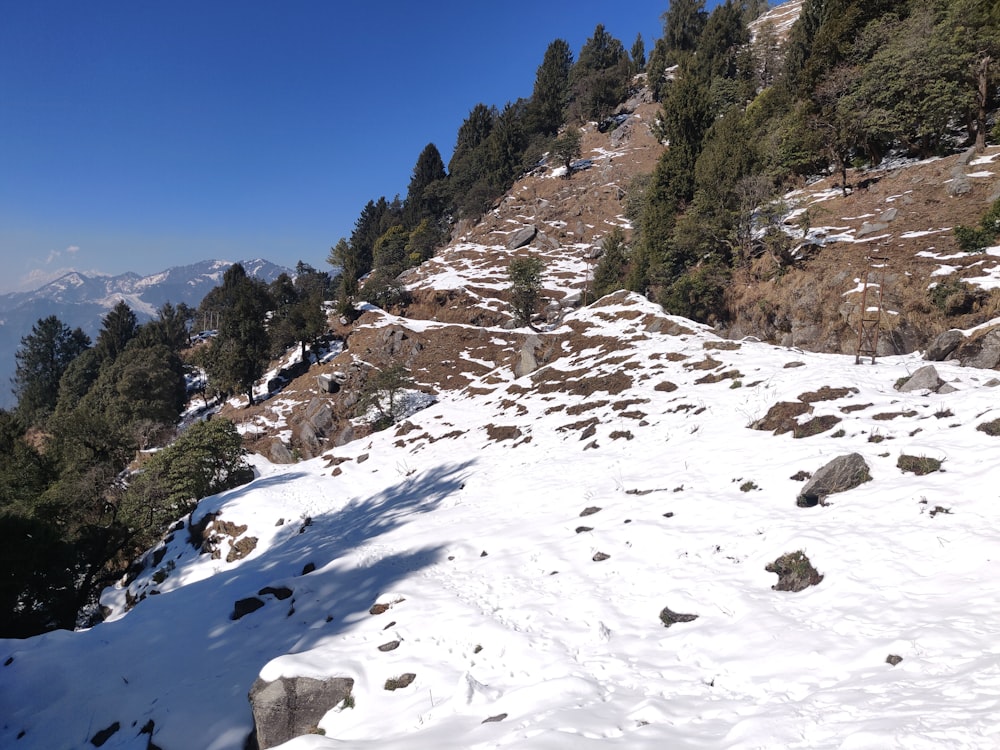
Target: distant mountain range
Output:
[(81, 300)]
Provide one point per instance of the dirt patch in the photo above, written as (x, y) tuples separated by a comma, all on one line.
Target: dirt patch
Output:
[(782, 417), (826, 393)]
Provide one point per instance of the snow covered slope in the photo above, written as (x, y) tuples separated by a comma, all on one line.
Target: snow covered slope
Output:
[(524, 535)]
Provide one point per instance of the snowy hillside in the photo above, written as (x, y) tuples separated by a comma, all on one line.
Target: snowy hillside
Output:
[(524, 536)]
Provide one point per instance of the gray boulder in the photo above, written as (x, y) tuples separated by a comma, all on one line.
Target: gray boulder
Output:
[(924, 379), (983, 351), (841, 474), (290, 707), (522, 237), (944, 345)]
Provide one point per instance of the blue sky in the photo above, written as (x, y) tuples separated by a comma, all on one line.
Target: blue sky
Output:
[(136, 136)]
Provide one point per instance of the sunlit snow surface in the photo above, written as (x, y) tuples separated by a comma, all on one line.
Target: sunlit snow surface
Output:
[(500, 607)]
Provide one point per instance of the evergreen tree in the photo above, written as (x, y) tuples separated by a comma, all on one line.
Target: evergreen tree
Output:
[(42, 358), (682, 25), (525, 273), (117, 329), (599, 79), (241, 350), (421, 202), (548, 99), (566, 149), (638, 54), (612, 270)]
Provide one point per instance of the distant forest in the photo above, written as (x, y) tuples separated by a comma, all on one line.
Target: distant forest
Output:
[(93, 469)]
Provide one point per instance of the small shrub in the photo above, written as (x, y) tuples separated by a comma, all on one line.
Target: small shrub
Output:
[(918, 465), (348, 702), (954, 297), (748, 486), (838, 434), (815, 426)]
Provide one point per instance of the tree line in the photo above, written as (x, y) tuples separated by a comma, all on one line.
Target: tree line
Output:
[(93, 469)]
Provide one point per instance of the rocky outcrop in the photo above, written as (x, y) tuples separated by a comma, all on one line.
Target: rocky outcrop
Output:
[(943, 345), (522, 237), (290, 707), (925, 379)]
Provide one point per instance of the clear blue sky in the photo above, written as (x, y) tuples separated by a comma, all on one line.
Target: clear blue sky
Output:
[(135, 136)]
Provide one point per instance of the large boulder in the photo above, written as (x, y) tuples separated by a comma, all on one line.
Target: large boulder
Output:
[(841, 474), (924, 379), (943, 345), (290, 707), (522, 237)]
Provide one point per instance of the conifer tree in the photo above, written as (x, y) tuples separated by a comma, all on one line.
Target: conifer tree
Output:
[(548, 99), (117, 329), (242, 348), (42, 358), (599, 79), (422, 203)]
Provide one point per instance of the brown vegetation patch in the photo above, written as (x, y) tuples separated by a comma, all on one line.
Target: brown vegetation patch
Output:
[(814, 426), (621, 434), (719, 377), (781, 417), (511, 404), (850, 408), (675, 357), (706, 364), (726, 346), (581, 408), (627, 402), (889, 415), (498, 433), (665, 386), (826, 393), (635, 414), (405, 428), (583, 424)]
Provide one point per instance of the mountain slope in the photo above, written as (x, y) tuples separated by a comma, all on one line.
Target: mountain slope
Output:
[(468, 522)]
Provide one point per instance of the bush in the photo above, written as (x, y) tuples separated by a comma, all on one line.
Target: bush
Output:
[(955, 297), (976, 239), (699, 294), (918, 465), (795, 572)]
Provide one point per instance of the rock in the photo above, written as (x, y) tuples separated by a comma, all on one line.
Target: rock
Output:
[(841, 474), (943, 345), (982, 351), (522, 237), (795, 572), (279, 453), (245, 606), (886, 216), (893, 659), (498, 717), (104, 735), (959, 184), (871, 228), (526, 360), (669, 617), (290, 707), (924, 379), (278, 592)]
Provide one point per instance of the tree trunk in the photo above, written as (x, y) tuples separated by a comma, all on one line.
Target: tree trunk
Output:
[(982, 97)]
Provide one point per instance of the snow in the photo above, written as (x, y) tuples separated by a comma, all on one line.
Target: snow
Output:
[(500, 607)]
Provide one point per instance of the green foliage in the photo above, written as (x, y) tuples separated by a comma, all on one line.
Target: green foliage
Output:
[(698, 294), (550, 95), (566, 149), (382, 393), (423, 200), (525, 274), (42, 358), (206, 459), (599, 79), (612, 270), (682, 26), (117, 329), (241, 350), (954, 297), (976, 239)]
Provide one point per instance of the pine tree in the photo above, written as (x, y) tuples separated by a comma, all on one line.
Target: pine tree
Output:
[(242, 348), (548, 99), (525, 273), (117, 329), (638, 55), (42, 359), (422, 203), (599, 79), (682, 25), (612, 270), (566, 149)]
